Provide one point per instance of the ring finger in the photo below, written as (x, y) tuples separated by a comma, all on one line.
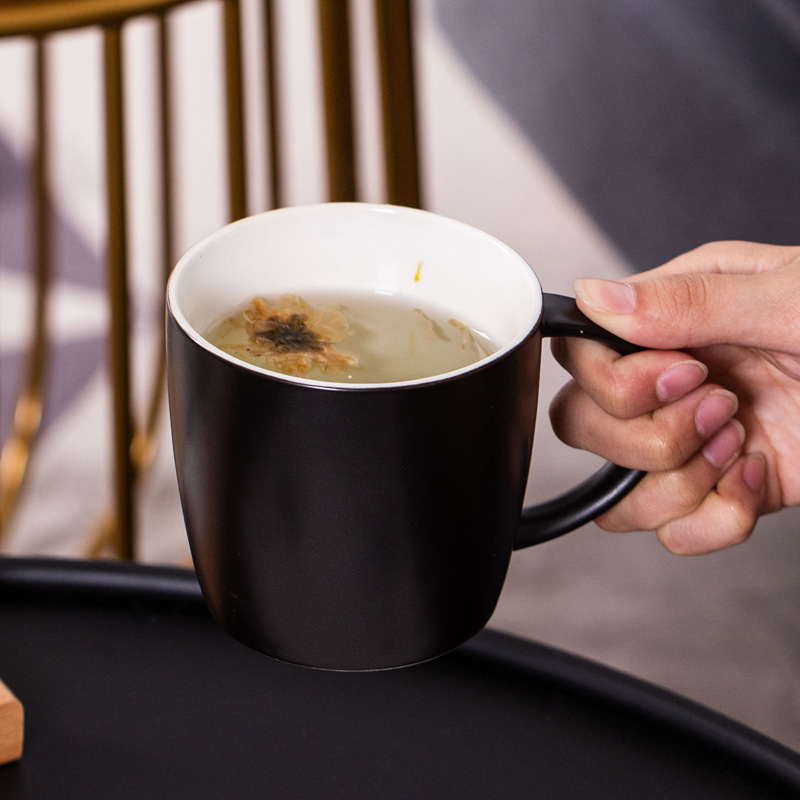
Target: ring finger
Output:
[(662, 497)]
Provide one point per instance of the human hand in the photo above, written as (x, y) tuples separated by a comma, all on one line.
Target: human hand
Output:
[(713, 411)]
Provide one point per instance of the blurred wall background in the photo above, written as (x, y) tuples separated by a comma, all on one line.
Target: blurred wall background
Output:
[(672, 123)]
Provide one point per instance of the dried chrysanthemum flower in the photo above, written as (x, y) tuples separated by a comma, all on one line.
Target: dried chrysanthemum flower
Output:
[(292, 337)]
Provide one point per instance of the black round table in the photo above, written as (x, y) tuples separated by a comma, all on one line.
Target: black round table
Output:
[(131, 691)]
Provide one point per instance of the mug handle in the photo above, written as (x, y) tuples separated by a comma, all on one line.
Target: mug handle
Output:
[(598, 493)]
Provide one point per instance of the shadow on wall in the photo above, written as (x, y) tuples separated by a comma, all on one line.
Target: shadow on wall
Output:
[(74, 360), (673, 123)]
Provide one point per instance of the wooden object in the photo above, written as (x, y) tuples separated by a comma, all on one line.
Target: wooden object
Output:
[(11, 726)]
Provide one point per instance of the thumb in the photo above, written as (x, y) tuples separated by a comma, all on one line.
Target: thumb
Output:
[(676, 311)]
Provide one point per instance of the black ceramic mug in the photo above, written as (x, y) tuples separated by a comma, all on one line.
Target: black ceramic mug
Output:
[(363, 526)]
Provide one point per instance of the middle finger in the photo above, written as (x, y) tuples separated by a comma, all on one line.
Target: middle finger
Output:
[(661, 440)]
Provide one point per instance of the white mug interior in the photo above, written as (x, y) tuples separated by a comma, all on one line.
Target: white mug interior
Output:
[(422, 258)]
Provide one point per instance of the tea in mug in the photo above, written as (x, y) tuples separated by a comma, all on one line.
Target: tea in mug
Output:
[(352, 338)]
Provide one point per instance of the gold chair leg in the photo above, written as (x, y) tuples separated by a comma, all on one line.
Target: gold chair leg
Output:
[(338, 99), (124, 477), (398, 94), (272, 105), (15, 454), (237, 186), (107, 536), (103, 539)]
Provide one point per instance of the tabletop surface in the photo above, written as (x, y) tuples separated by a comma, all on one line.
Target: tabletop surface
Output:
[(131, 690)]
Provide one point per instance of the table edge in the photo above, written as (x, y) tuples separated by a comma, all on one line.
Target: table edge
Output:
[(123, 581)]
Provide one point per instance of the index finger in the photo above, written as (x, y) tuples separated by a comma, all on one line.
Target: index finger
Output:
[(726, 258), (632, 385)]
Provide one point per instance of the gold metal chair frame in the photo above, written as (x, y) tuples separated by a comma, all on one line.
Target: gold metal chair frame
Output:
[(115, 530)]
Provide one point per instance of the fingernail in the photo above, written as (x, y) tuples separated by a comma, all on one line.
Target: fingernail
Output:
[(607, 297), (715, 411), (754, 471), (680, 379), (725, 446)]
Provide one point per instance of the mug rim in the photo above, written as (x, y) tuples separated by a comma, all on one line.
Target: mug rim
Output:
[(175, 311)]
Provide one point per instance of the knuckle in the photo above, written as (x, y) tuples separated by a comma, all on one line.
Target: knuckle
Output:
[(683, 493), (619, 400), (616, 387), (694, 535), (679, 297), (687, 536), (665, 451), (658, 500), (676, 541), (712, 252)]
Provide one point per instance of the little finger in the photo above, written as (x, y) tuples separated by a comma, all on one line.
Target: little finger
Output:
[(726, 517)]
